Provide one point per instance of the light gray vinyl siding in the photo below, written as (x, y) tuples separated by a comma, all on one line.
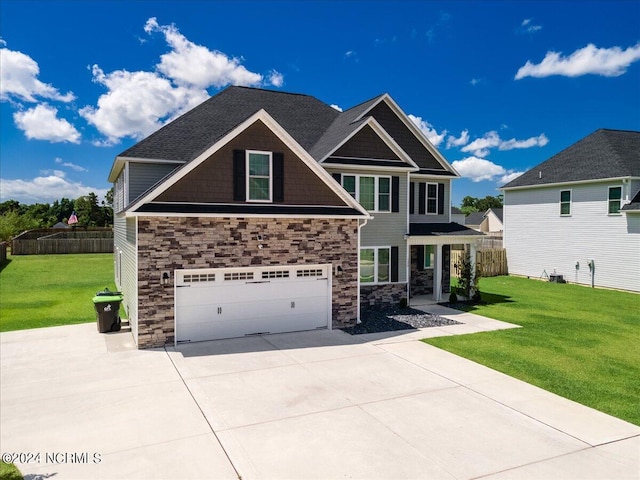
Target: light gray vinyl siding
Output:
[(538, 239), (431, 218), (387, 229), (142, 176), (124, 236)]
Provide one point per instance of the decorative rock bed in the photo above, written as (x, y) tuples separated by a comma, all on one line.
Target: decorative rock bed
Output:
[(389, 319)]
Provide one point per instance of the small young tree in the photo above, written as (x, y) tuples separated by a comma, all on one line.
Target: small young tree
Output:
[(468, 276)]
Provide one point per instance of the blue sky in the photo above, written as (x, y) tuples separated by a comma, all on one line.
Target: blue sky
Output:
[(497, 86)]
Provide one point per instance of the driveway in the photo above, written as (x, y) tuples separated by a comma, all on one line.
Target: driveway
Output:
[(317, 404)]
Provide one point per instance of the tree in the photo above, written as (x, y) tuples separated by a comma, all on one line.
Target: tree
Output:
[(473, 204)]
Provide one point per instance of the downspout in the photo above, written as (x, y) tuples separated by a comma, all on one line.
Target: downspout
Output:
[(360, 225)]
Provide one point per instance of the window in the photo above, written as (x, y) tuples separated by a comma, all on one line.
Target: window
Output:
[(615, 197), (375, 265), (259, 179), (372, 192), (432, 198), (428, 256), (565, 202)]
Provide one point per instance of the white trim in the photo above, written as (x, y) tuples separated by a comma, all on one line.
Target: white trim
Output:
[(560, 202), (125, 197), (414, 129), (281, 133), (576, 182), (248, 176), (620, 201)]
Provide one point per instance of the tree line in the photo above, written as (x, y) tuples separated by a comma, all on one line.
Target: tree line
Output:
[(16, 217), (473, 204)]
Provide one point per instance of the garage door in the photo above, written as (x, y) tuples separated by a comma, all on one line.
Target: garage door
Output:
[(234, 302)]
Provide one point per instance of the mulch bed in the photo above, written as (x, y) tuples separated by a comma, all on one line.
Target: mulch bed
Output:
[(389, 319)]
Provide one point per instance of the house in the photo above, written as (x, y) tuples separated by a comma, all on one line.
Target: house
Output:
[(578, 213), (457, 215), (263, 211), (489, 221)]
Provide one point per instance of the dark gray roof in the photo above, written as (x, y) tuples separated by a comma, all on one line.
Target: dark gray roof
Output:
[(633, 205), (498, 212), (304, 117), (441, 229), (603, 154), (248, 209), (474, 218), (456, 211)]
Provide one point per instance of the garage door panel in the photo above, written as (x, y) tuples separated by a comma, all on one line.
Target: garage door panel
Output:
[(226, 309)]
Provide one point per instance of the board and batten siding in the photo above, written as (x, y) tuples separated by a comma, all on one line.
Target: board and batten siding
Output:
[(538, 239), (431, 218), (143, 176), (126, 274)]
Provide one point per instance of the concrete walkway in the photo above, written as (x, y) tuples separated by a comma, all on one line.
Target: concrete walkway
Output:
[(317, 404)]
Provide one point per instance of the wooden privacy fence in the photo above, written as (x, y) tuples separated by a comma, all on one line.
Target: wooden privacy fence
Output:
[(50, 241), (493, 262)]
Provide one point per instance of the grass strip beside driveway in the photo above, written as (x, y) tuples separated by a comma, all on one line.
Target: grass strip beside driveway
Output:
[(48, 290), (577, 342)]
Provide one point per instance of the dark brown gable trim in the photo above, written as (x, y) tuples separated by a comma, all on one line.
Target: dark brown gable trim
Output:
[(239, 176)]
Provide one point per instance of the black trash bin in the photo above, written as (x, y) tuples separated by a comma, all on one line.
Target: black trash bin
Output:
[(107, 306)]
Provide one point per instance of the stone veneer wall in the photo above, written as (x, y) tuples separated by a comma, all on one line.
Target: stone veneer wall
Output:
[(387, 294), (171, 243), (421, 280)]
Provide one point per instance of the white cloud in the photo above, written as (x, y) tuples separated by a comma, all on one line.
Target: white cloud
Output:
[(192, 64), (480, 169), (275, 78), (137, 103), (475, 81), (434, 137), (480, 146), (42, 123), (539, 141), (608, 62), (70, 165), (336, 107), (48, 187), (528, 27), (463, 139), (19, 78)]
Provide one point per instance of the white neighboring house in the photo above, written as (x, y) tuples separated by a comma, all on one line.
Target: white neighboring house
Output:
[(489, 221), (578, 213)]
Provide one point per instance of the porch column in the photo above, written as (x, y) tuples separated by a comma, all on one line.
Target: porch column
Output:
[(437, 277)]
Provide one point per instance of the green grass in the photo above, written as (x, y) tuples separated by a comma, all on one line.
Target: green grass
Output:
[(8, 471), (47, 290), (578, 342)]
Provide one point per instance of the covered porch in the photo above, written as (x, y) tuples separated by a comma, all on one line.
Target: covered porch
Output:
[(429, 246)]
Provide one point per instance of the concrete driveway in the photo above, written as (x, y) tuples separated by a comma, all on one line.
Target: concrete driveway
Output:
[(321, 404)]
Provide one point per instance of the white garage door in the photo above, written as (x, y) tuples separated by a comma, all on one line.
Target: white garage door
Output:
[(235, 302)]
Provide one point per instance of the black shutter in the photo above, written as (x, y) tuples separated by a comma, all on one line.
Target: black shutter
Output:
[(420, 261), (395, 194), (446, 269), (278, 177), (441, 199), (239, 176), (337, 177), (412, 197), (422, 198), (394, 264)]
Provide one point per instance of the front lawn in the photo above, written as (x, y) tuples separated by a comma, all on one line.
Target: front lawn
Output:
[(47, 290), (578, 342)]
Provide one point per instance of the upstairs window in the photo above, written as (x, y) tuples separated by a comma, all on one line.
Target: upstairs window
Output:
[(432, 198), (372, 192), (259, 178), (565, 202), (615, 197)]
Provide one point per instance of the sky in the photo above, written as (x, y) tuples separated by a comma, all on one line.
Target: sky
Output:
[(497, 87)]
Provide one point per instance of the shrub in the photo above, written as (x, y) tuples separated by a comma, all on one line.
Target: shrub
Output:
[(453, 298)]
